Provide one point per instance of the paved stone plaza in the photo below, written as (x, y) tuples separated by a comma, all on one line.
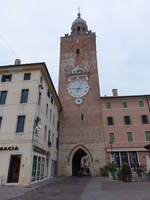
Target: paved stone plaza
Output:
[(79, 189)]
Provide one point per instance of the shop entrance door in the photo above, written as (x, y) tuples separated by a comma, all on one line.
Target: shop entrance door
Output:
[(53, 168), (14, 169)]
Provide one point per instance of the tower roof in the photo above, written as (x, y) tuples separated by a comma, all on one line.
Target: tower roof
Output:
[(79, 26), (79, 20)]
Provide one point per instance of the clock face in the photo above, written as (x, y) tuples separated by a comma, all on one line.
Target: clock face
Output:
[(78, 88)]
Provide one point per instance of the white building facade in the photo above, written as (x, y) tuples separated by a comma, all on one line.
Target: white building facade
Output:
[(29, 124)]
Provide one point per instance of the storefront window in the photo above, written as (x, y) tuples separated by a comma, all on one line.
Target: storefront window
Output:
[(124, 158), (34, 168), (46, 167), (121, 158), (38, 168), (42, 168), (133, 159)]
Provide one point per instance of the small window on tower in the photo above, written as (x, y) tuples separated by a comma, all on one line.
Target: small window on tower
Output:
[(77, 51), (78, 28)]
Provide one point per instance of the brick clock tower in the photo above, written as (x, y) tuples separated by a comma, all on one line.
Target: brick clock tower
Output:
[(81, 139)]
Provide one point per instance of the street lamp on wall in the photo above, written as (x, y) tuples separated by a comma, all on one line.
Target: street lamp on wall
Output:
[(37, 126)]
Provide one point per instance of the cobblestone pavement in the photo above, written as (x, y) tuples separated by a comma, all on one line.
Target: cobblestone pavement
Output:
[(74, 188)]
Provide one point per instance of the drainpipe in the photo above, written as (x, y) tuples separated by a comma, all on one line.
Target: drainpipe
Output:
[(147, 147), (148, 104), (58, 131)]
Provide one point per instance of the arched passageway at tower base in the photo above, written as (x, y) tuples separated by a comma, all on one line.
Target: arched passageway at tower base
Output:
[(80, 163)]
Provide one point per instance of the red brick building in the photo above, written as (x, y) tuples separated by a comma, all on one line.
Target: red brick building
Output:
[(127, 129)]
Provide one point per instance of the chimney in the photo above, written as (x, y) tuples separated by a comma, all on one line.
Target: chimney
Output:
[(17, 61), (115, 92)]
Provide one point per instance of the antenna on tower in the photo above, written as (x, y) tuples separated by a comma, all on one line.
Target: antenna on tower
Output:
[(79, 14)]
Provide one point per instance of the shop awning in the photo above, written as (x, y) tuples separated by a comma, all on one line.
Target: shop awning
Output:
[(147, 146)]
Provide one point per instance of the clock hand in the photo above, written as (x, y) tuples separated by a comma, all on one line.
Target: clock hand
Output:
[(79, 87)]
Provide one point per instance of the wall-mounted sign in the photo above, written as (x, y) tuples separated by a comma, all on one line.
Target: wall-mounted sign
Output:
[(9, 148)]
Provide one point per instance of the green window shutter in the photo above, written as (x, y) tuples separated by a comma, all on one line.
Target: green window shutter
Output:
[(125, 104), (108, 105), (111, 138), (147, 135), (129, 136), (141, 103)]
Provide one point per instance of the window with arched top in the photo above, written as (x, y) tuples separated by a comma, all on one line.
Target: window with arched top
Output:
[(78, 70), (78, 28)]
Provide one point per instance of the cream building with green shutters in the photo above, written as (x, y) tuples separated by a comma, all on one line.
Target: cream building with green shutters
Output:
[(29, 124)]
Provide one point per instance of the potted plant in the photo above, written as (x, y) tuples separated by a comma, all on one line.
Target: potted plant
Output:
[(104, 171), (126, 173), (149, 175), (119, 174), (112, 169)]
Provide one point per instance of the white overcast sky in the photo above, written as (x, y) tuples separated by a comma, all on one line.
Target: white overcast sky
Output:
[(31, 30)]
